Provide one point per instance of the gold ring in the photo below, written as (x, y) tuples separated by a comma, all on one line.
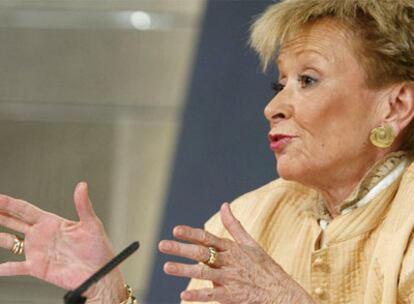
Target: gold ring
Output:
[(213, 256), (18, 246)]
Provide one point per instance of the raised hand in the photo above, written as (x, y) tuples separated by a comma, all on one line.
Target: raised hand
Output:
[(242, 273), (59, 251)]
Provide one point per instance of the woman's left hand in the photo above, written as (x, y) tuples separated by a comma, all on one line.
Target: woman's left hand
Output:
[(243, 272)]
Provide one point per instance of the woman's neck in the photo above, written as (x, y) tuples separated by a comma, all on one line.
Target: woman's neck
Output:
[(334, 197), (339, 185)]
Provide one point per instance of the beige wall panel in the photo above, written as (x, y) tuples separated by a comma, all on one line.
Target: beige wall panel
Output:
[(190, 7), (100, 67), (144, 155), (97, 105)]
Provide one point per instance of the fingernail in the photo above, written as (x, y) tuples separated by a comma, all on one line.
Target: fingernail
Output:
[(179, 230), (165, 245), (171, 268), (82, 184), (185, 295)]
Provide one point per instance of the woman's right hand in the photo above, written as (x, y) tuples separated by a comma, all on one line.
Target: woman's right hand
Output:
[(59, 251)]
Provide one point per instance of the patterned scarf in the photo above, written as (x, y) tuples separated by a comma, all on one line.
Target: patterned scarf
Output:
[(370, 180)]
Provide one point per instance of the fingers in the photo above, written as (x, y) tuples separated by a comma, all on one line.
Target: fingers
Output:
[(204, 295), (196, 271), (13, 269), (13, 223), (190, 251), (234, 227), (20, 209), (6, 240), (83, 204), (200, 236)]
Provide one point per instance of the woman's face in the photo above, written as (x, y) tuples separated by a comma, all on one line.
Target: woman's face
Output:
[(321, 118)]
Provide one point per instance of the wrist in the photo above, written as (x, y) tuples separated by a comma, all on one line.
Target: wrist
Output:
[(289, 291), (111, 289), (299, 295)]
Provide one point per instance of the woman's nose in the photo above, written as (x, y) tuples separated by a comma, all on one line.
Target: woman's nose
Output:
[(277, 110)]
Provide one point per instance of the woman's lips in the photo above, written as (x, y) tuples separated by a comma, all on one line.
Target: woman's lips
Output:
[(278, 141)]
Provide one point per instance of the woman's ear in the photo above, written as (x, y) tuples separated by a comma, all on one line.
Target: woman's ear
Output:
[(401, 106)]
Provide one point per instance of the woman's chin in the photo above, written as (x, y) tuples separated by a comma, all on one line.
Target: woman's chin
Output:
[(289, 170), (286, 175)]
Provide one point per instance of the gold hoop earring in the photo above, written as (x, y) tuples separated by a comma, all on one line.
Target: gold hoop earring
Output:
[(382, 137)]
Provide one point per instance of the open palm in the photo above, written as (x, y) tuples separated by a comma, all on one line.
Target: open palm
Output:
[(59, 251)]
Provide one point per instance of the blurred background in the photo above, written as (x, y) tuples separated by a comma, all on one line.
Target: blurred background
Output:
[(157, 104)]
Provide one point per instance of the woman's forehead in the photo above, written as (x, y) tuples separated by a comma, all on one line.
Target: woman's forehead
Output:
[(326, 38)]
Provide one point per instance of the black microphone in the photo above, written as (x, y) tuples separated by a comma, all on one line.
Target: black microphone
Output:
[(75, 296)]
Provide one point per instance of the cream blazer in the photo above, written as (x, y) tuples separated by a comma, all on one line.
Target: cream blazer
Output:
[(369, 252)]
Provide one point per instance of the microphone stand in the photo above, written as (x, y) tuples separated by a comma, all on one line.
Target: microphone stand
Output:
[(75, 296)]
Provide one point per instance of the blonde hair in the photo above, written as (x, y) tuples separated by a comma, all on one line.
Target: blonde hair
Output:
[(383, 31)]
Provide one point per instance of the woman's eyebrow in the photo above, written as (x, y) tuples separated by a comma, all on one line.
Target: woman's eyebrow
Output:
[(303, 52), (313, 51)]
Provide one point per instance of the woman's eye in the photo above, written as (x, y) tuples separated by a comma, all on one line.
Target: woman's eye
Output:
[(306, 81), (277, 87)]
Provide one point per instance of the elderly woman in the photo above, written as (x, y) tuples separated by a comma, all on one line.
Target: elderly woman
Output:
[(337, 226)]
